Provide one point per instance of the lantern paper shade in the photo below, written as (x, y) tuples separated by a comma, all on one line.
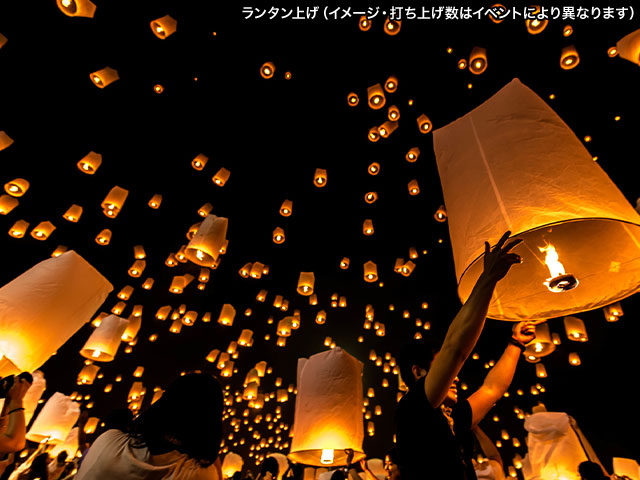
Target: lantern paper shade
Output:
[(163, 27), (231, 464), (629, 47), (569, 203), (306, 283), (70, 445), (42, 308), (104, 77), (32, 396), (204, 248), (328, 411), (626, 466), (77, 8), (103, 343), (55, 420)]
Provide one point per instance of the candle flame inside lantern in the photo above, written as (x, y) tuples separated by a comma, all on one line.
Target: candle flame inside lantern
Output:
[(551, 260), (327, 456), (559, 280)]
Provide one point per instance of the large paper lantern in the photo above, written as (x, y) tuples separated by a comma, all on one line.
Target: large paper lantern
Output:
[(328, 412), (204, 248), (55, 420), (77, 8), (103, 343), (31, 398), (231, 464), (513, 164), (42, 308), (629, 47)]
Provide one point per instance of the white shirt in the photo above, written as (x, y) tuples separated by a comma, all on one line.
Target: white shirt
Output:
[(112, 457)]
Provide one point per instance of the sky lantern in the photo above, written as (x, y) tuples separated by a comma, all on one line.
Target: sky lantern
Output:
[(55, 420), (628, 47), (328, 415), (113, 202), (5, 140), (375, 97), (90, 163), (320, 177), (16, 187), (478, 60), (163, 27), (199, 161), (393, 114), (227, 314), (44, 307), (412, 155), (577, 256), (392, 27), (133, 326), (286, 208), (626, 466), (102, 345), (77, 8), (221, 177), (535, 25), (267, 70), (88, 374), (231, 464), (612, 312), (69, 445), (73, 213), (155, 201), (204, 248), (352, 99), (33, 395), (19, 229), (43, 230), (387, 128), (104, 77), (424, 124), (391, 84), (7, 204), (306, 282), (370, 272), (284, 327), (364, 23), (441, 214), (575, 329)]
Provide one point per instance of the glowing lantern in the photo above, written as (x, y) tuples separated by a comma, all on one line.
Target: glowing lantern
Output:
[(44, 307), (113, 202), (320, 177), (387, 128), (250, 391), (306, 282), (55, 420), (412, 155), (267, 70), (132, 329), (227, 314), (104, 237), (441, 214), (104, 77), (286, 208), (16, 187), (189, 318), (574, 359), (629, 47), (104, 341), (256, 270), (375, 97), (392, 27), (91, 425), (138, 372), (364, 23), (424, 123), (462, 64), (231, 464), (42, 230), (393, 114), (374, 134), (370, 197), (246, 338), (542, 345), (352, 99), (227, 370), (204, 248), (7, 204), (575, 329), (176, 326), (90, 163), (213, 354), (569, 58), (163, 27), (328, 415), (278, 235), (478, 60), (199, 161), (32, 397), (413, 187), (491, 154), (3, 42), (88, 374), (137, 268), (567, 30), (344, 263), (374, 168), (534, 25), (221, 177), (205, 209), (626, 466), (262, 296), (612, 312), (77, 8), (155, 201), (284, 327), (19, 229), (370, 272)]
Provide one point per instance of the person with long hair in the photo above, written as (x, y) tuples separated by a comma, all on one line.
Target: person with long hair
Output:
[(176, 438)]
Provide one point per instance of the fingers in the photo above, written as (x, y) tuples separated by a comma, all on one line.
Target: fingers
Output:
[(503, 239), (512, 244), (487, 248), (512, 258)]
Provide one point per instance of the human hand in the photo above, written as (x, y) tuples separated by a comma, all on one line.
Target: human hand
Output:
[(17, 392), (498, 260), (524, 332)]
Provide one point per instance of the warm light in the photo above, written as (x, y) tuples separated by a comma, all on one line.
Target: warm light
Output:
[(267, 70), (370, 197), (462, 64), (569, 58), (567, 31), (424, 124), (412, 155), (364, 23), (374, 168), (478, 60), (559, 281), (392, 27), (327, 456), (612, 52)]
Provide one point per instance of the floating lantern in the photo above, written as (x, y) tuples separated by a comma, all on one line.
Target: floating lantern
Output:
[(163, 27), (104, 341), (199, 161), (328, 415), (441, 214), (104, 77), (567, 30), (626, 466), (113, 202), (286, 208), (5, 140), (55, 420), (91, 425), (43, 307), (612, 312), (7, 204), (205, 209), (542, 345), (352, 99), (370, 272), (77, 8), (90, 163), (534, 25), (574, 359), (478, 60), (629, 47), (392, 27), (267, 70), (413, 187), (16, 187), (189, 318), (137, 268), (541, 372), (306, 282), (569, 58), (204, 248), (250, 391), (370, 197), (88, 374), (575, 329), (227, 370), (138, 372), (43, 230), (246, 338), (424, 124), (33, 395), (491, 155), (278, 235), (412, 155), (155, 201), (320, 177), (374, 134), (393, 114), (227, 314), (256, 270), (221, 177), (364, 23), (375, 97), (387, 128), (374, 168), (462, 63), (367, 227), (176, 326), (73, 213), (19, 229), (391, 85), (213, 354), (104, 237)]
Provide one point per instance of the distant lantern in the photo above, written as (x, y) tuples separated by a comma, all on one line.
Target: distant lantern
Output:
[(286, 208), (320, 177), (567, 30), (90, 163), (103, 343), (327, 425), (155, 201), (3, 42), (132, 329), (55, 420), (478, 60), (246, 338), (163, 312), (176, 326), (7, 204), (73, 213), (44, 307), (104, 77), (77, 8), (16, 187), (321, 317), (284, 327), (227, 314), (189, 318), (392, 27), (441, 214), (163, 27), (221, 177), (262, 295), (88, 374), (612, 52), (535, 25), (267, 70), (91, 425), (43, 230), (306, 282), (412, 155), (575, 329), (375, 96), (374, 168), (125, 292), (391, 84), (612, 312), (462, 63), (353, 99), (204, 248), (629, 47), (370, 272), (137, 268), (370, 197), (104, 237), (278, 235), (413, 187), (424, 124), (374, 134), (364, 23), (541, 372), (199, 161), (367, 227), (554, 169), (543, 345), (569, 58), (113, 202), (205, 209), (5, 140), (497, 12), (393, 114), (213, 354), (387, 128), (19, 229)]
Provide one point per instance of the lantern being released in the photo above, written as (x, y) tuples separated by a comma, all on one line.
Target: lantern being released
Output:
[(55, 420), (328, 412), (512, 144), (103, 343)]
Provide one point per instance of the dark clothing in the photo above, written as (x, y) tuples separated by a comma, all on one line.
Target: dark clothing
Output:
[(427, 448)]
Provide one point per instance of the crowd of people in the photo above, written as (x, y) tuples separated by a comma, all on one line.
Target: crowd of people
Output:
[(179, 436)]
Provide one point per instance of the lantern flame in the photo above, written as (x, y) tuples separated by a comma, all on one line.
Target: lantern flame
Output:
[(551, 260), (559, 280), (327, 456)]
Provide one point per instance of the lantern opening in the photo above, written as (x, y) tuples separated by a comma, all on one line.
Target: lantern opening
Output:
[(327, 456), (559, 281)]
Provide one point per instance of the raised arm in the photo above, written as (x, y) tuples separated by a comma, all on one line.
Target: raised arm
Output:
[(488, 447), (13, 439), (466, 327), (500, 376)]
